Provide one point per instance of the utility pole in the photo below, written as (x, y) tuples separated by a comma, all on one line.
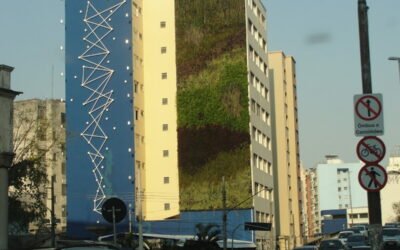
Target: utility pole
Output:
[(224, 216), (140, 218), (393, 58), (53, 216), (374, 200)]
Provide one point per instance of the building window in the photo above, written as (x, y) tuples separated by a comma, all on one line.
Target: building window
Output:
[(62, 118), (163, 50), (163, 24), (165, 153), (164, 101), (63, 169), (167, 206), (164, 75), (166, 180), (165, 127), (64, 189), (364, 215)]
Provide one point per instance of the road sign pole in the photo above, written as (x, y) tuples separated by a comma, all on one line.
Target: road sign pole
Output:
[(114, 226), (374, 202)]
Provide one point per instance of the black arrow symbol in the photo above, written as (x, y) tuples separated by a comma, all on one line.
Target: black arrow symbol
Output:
[(369, 107)]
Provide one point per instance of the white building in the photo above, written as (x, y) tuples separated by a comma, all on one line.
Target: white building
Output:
[(336, 187), (390, 193)]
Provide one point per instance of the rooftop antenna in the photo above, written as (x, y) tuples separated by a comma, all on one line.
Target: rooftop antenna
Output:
[(52, 81)]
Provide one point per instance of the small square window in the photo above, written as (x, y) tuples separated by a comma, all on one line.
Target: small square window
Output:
[(163, 24), (163, 50), (165, 153), (165, 127), (167, 206), (164, 75), (166, 180), (165, 101)]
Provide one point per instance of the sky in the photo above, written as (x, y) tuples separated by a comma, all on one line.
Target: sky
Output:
[(322, 36)]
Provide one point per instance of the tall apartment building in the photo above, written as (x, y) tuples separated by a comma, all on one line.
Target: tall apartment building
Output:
[(336, 188), (287, 179), (311, 204), (39, 128), (156, 141), (178, 91)]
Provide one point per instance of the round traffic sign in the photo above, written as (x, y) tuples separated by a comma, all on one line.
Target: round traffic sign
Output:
[(371, 149), (115, 204), (372, 177), (368, 107)]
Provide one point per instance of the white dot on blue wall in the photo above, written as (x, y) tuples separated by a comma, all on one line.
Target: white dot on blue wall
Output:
[(106, 118), (98, 222), (125, 81), (85, 30), (61, 21), (62, 74), (80, 11), (75, 77), (108, 61), (109, 19), (128, 68), (126, 41), (128, 95), (61, 47), (129, 122), (126, 14), (71, 100), (113, 38), (129, 177), (129, 150), (114, 128)]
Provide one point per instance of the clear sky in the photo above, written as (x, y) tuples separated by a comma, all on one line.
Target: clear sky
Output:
[(322, 35)]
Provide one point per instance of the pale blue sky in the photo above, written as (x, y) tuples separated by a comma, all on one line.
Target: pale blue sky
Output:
[(322, 35)]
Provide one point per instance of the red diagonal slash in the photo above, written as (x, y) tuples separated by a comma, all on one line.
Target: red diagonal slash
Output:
[(376, 113), (376, 182), (370, 149)]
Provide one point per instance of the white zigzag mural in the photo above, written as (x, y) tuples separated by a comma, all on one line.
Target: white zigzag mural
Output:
[(95, 77)]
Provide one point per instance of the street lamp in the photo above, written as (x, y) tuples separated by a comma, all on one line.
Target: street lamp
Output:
[(393, 58)]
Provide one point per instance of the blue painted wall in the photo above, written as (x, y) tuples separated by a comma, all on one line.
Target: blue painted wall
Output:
[(99, 94), (185, 225), (337, 221)]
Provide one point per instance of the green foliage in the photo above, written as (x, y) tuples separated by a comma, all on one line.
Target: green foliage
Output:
[(26, 180), (217, 95), (27, 175), (205, 30), (396, 209), (203, 190)]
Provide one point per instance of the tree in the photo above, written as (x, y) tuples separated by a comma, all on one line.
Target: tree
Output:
[(206, 237), (27, 175), (396, 209)]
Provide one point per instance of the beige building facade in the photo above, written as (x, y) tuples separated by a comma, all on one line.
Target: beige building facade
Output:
[(39, 128), (389, 194), (288, 197), (156, 149)]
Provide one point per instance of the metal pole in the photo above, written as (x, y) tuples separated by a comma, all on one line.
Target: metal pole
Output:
[(398, 62), (140, 222), (114, 226), (53, 223), (224, 216), (374, 200)]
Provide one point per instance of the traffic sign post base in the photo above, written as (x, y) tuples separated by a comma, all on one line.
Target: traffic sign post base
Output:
[(375, 236)]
